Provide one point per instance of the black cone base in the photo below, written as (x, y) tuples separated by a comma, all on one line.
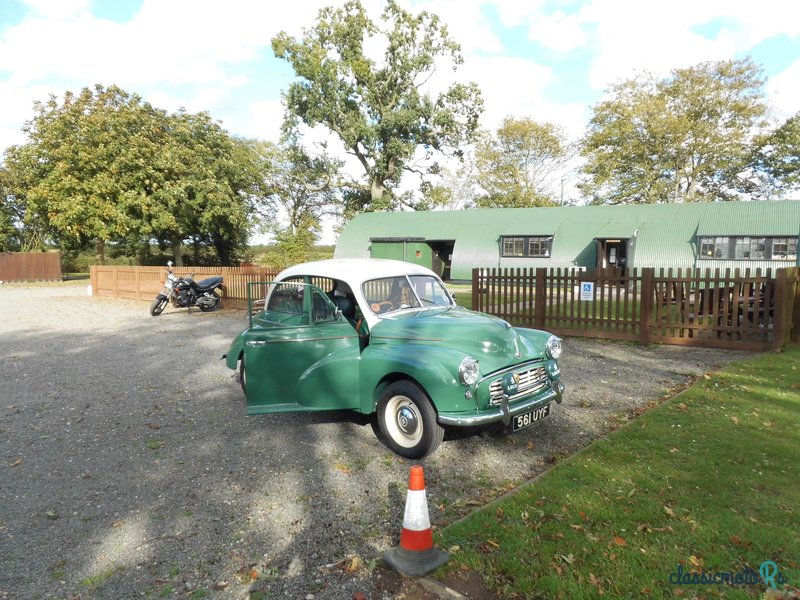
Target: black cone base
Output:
[(416, 563)]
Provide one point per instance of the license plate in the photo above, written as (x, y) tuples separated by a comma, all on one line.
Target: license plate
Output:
[(529, 418)]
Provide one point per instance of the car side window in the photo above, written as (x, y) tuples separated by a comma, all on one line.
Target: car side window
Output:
[(286, 298), (322, 309)]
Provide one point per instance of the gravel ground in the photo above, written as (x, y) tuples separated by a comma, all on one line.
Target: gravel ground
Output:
[(129, 469)]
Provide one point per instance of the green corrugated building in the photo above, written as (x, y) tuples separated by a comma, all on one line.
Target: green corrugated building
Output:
[(701, 235)]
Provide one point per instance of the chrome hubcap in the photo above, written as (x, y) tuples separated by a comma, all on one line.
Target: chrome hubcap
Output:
[(407, 420)]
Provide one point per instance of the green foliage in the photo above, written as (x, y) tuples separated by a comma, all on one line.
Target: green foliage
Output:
[(379, 111), (685, 138), (290, 252), (518, 167), (301, 188), (777, 157), (105, 167)]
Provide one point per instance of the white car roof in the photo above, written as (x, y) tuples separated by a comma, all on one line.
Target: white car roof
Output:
[(354, 271)]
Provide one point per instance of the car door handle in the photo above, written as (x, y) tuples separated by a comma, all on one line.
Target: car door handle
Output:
[(255, 343)]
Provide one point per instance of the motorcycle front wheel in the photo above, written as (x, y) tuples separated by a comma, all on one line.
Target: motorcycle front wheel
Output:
[(215, 306), (158, 305)]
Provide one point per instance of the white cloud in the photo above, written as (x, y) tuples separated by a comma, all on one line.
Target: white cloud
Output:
[(559, 31), (783, 91)]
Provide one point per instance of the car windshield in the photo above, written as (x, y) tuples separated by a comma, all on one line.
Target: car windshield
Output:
[(389, 294)]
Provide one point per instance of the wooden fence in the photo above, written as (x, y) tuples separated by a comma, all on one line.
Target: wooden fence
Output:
[(144, 283), (30, 266), (722, 310)]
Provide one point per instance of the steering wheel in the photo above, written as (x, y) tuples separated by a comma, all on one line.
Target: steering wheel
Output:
[(382, 307)]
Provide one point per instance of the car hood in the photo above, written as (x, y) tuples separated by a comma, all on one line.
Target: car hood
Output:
[(490, 340)]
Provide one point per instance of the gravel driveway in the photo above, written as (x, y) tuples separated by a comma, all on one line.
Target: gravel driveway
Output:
[(128, 467)]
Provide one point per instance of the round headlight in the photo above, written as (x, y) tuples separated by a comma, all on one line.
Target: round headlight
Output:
[(469, 371), (553, 347)]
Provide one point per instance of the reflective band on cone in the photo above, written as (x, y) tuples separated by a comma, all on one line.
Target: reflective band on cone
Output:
[(416, 555)]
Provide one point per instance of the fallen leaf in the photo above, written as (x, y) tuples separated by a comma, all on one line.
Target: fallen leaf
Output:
[(355, 564), (674, 450), (682, 407), (669, 511), (531, 446), (735, 420), (493, 543), (696, 562), (582, 515), (454, 549), (577, 527), (735, 540), (619, 541), (569, 559), (767, 423), (52, 514), (16, 463)]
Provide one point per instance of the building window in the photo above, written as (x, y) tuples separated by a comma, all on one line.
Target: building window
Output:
[(526, 246), (748, 248), (784, 249), (714, 247), (539, 247), (513, 246)]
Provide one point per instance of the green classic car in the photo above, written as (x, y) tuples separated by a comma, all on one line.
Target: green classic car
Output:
[(386, 337)]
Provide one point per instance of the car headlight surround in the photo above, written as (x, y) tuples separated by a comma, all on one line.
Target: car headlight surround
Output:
[(469, 370), (553, 347)]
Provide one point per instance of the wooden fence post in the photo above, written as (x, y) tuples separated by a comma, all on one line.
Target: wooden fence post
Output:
[(783, 304), (475, 284), (646, 305), (794, 285), (540, 299)]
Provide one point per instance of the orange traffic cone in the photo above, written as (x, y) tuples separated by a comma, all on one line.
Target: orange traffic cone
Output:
[(416, 555)]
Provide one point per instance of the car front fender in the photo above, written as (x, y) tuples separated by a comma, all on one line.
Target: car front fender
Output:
[(434, 368)]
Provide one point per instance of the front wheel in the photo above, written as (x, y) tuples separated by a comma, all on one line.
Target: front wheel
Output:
[(242, 375), (158, 305), (407, 420)]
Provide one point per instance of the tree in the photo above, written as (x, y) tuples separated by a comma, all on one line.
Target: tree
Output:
[(777, 158), (685, 138), (380, 111), (103, 166), (519, 167)]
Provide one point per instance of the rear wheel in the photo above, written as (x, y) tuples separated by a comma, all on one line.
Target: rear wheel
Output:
[(158, 305), (214, 306), (407, 420)]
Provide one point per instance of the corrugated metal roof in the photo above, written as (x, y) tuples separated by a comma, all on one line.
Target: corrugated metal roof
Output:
[(660, 234)]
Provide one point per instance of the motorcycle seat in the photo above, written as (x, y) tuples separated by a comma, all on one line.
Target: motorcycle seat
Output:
[(209, 284)]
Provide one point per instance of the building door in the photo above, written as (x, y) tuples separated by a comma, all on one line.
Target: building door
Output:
[(612, 253)]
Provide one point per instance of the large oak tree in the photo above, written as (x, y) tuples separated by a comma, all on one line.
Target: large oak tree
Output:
[(382, 111)]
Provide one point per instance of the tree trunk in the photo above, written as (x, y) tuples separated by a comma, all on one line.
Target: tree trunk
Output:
[(176, 251), (100, 251)]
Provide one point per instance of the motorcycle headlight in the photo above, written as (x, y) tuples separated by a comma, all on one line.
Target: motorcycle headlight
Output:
[(553, 347), (469, 371)]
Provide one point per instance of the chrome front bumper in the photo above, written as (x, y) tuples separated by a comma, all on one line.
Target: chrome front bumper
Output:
[(504, 412)]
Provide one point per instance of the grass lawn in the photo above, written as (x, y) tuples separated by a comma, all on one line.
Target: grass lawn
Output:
[(708, 482)]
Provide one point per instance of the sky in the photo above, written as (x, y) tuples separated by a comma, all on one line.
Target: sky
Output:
[(550, 60)]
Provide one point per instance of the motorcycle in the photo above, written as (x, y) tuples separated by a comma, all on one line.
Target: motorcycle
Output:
[(185, 292)]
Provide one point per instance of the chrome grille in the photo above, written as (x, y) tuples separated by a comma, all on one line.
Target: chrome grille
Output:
[(530, 381)]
